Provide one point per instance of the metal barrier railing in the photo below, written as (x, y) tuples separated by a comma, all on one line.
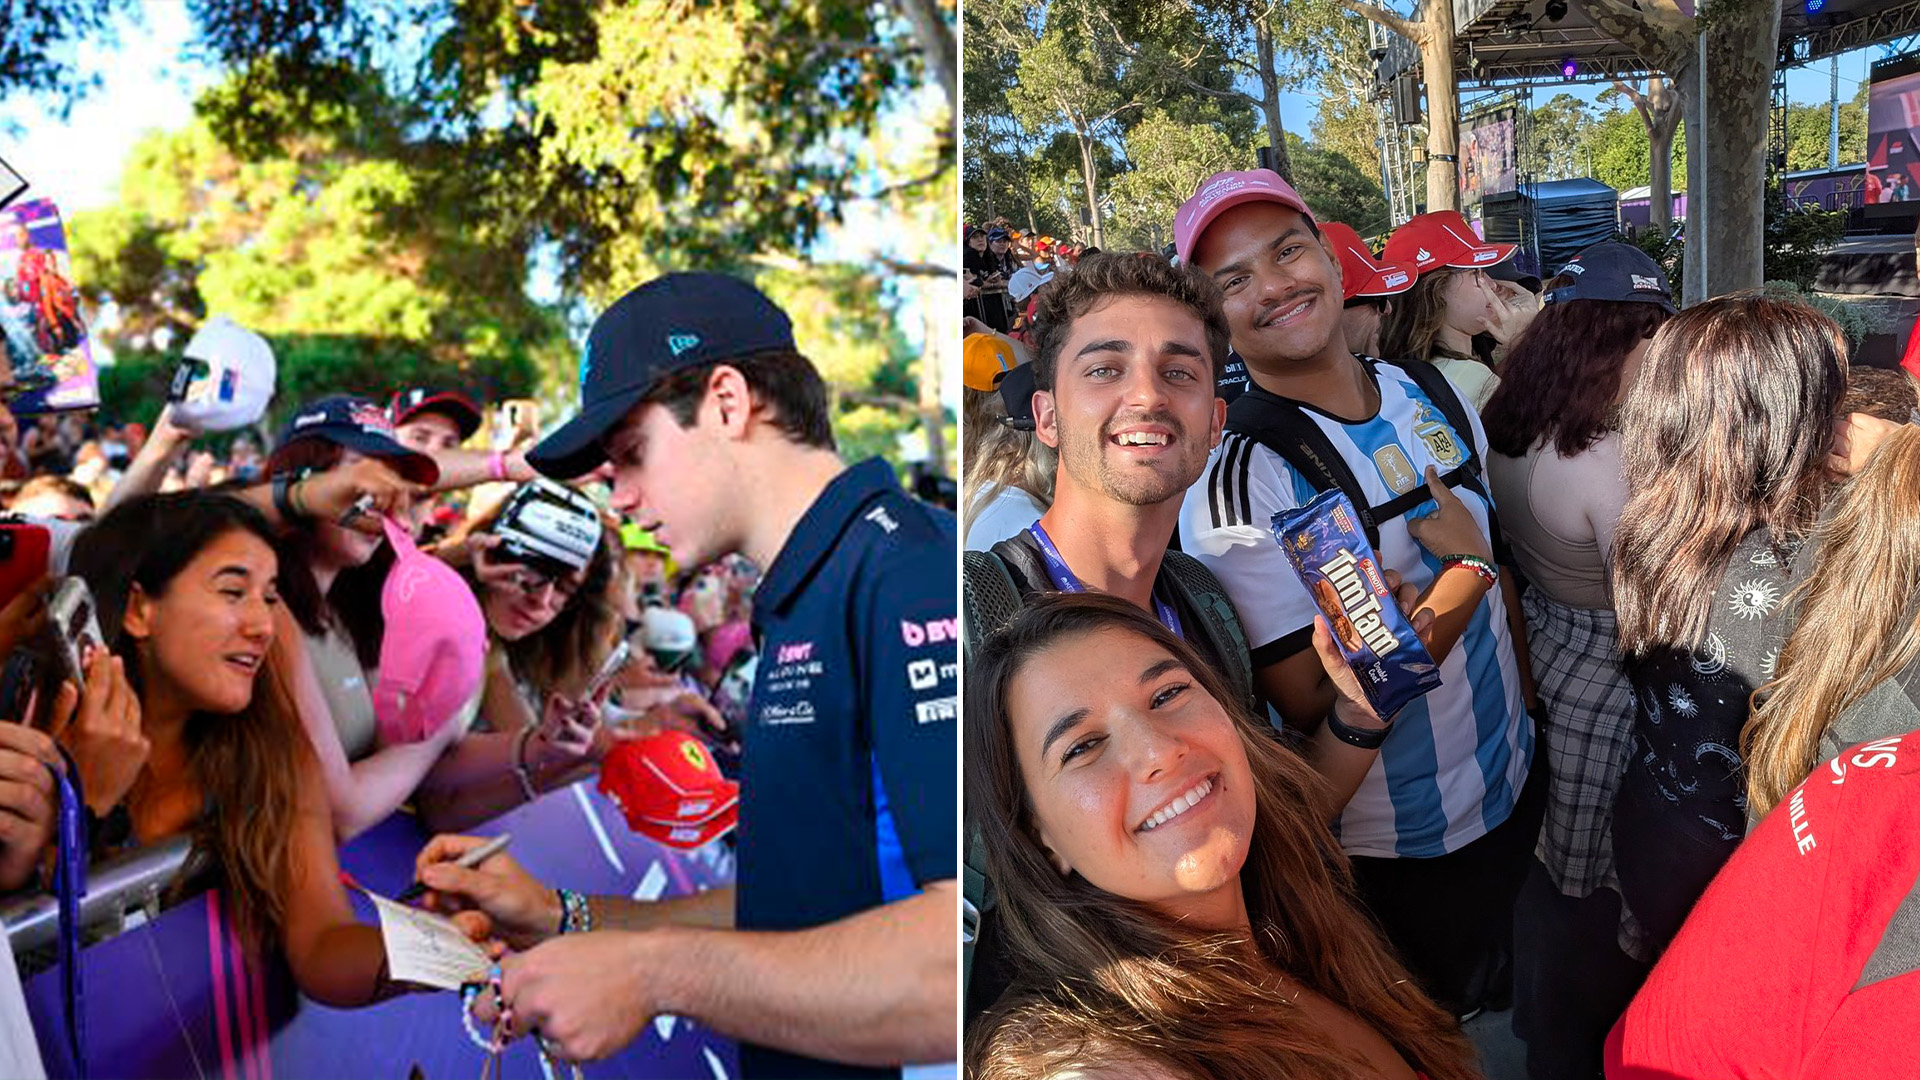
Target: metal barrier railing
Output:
[(115, 887)]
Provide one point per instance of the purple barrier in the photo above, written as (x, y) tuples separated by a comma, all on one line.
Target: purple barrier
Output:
[(178, 997)]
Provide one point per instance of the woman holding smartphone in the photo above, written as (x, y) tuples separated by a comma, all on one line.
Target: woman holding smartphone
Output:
[(187, 587)]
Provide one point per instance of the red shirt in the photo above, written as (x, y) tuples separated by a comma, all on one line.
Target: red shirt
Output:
[(1799, 961)]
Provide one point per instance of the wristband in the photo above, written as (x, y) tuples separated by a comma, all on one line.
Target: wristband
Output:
[(497, 465), (283, 498), (1364, 739), (520, 770), (576, 917), (1483, 569)]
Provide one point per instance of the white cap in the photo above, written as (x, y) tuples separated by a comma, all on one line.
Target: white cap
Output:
[(668, 633), (234, 389), (1025, 280)]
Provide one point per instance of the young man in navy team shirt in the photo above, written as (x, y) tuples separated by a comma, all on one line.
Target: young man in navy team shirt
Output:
[(718, 433)]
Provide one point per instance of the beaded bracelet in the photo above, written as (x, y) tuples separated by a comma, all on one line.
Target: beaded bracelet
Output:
[(1485, 570), (1364, 738), (576, 917)]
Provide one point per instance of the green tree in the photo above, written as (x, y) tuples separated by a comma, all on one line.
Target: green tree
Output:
[(1169, 160), (1340, 190), (1557, 138), (1622, 151), (1810, 128)]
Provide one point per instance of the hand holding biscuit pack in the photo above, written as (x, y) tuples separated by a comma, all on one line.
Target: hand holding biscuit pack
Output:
[(1329, 551)]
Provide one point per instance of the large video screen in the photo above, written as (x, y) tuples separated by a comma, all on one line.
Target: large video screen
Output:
[(1893, 131), (1488, 161)]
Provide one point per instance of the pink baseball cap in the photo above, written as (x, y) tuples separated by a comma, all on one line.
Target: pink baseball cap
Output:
[(1360, 273), (1442, 238), (435, 644), (1224, 191)]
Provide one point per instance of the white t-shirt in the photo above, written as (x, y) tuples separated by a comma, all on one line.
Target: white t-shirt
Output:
[(1457, 758), (1007, 512)]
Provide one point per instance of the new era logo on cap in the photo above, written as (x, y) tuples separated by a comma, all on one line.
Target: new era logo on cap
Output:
[(680, 343), (1641, 282)]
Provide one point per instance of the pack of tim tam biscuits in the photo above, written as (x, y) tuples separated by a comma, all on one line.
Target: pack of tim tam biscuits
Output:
[(1330, 552)]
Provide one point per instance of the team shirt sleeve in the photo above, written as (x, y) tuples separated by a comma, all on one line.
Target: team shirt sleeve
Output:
[(911, 660)]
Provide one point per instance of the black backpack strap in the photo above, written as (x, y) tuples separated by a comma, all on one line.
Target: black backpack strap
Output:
[(1440, 390), (1204, 594), (989, 598), (1283, 426)]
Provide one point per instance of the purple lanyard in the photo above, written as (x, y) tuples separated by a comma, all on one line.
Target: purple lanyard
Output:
[(1063, 579), (69, 886)]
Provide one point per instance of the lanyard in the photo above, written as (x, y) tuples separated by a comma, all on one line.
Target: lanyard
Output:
[(1063, 579), (69, 885)]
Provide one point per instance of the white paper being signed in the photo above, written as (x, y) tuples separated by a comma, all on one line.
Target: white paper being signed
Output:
[(424, 948)]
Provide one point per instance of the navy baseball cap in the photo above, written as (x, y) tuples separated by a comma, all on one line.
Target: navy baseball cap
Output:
[(452, 404), (670, 323), (360, 426), (1016, 393), (1613, 271)]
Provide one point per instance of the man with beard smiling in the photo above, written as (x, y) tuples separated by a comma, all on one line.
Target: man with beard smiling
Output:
[(1439, 828), (1124, 365)]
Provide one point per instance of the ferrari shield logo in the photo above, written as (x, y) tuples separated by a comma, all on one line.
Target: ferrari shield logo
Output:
[(1395, 469), (1446, 450)]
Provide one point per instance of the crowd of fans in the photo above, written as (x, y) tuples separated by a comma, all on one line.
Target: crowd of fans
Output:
[(1661, 559), (1004, 270), (394, 606)]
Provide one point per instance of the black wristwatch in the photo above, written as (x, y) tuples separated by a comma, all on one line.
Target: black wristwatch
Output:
[(1364, 739)]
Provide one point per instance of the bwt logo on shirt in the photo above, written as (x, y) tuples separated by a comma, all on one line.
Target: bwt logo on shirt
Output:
[(795, 653), (933, 632)]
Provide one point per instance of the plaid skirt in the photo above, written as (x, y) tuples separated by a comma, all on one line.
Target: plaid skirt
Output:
[(1588, 736), (1589, 739)]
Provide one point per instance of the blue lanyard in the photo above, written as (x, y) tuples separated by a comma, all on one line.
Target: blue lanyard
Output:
[(1063, 579), (69, 885)]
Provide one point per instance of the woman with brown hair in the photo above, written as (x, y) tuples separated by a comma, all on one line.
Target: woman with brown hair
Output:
[(1850, 670), (1553, 429), (186, 587), (1725, 443), (1452, 301), (1164, 869)]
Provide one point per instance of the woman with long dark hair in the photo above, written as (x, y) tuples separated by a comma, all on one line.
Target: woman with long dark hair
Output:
[(1725, 440), (186, 588), (1164, 868), (1553, 429)]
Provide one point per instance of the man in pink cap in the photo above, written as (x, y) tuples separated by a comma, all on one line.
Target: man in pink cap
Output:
[(1438, 828), (1367, 286)]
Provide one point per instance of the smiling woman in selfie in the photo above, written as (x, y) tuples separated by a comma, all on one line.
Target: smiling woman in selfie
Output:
[(1171, 891)]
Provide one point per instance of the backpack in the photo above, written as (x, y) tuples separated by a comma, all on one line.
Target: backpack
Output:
[(1280, 425), (989, 599)]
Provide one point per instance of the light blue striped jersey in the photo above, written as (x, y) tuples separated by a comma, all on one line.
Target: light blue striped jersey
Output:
[(1457, 758)]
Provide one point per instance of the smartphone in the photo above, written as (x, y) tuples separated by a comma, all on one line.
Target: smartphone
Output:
[(23, 557), (75, 630), (616, 660)]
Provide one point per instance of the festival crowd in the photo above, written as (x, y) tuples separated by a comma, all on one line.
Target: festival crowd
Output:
[(272, 648), (1662, 800)]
